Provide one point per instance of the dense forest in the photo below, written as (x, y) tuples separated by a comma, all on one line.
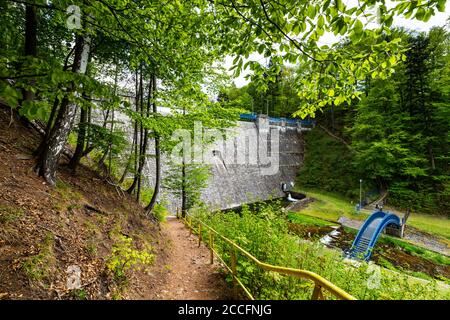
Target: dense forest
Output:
[(395, 138), (96, 97), (71, 60)]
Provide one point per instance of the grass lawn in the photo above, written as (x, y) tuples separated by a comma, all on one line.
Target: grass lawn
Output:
[(329, 206), (299, 218), (417, 251), (437, 225)]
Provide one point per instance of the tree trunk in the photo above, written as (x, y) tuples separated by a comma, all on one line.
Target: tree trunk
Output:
[(81, 141), (127, 166), (112, 121), (183, 190), (48, 160), (135, 138), (157, 188), (48, 128), (101, 163), (143, 144), (183, 184), (30, 49), (110, 143), (89, 145)]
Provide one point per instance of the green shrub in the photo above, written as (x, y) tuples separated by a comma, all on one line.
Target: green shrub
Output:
[(160, 212), (125, 257)]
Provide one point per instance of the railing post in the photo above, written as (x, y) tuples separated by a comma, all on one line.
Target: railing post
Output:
[(189, 220), (234, 272), (199, 234), (317, 293), (211, 246)]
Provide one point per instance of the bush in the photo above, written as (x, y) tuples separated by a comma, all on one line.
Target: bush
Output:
[(124, 257), (160, 212)]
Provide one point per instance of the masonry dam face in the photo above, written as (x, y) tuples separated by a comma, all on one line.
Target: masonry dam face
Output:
[(247, 165)]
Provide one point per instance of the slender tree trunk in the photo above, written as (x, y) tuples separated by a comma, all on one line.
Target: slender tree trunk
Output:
[(142, 145), (48, 160), (183, 184), (101, 162), (135, 138), (157, 188), (31, 24), (183, 190), (89, 146), (81, 141), (112, 120), (127, 167), (110, 144)]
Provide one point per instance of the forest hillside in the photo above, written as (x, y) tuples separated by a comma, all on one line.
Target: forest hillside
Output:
[(83, 222)]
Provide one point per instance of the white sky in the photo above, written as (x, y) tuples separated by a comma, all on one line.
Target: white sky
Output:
[(439, 19)]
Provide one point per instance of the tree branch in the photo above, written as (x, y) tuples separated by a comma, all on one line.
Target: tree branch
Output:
[(23, 76), (294, 42)]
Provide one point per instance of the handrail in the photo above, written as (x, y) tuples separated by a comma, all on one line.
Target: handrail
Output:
[(319, 281)]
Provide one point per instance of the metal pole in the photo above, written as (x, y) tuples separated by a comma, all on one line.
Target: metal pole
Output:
[(360, 194), (190, 225), (234, 272), (211, 246), (199, 234)]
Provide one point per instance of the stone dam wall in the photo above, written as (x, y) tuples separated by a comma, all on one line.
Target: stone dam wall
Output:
[(237, 175), (248, 166)]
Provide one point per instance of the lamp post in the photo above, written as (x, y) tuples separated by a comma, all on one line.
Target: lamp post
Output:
[(360, 194)]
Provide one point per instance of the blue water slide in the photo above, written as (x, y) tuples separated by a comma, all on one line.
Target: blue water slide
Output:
[(370, 231)]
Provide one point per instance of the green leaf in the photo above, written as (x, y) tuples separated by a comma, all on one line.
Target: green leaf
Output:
[(441, 5), (392, 60), (358, 27), (311, 11), (320, 22), (331, 92), (11, 96)]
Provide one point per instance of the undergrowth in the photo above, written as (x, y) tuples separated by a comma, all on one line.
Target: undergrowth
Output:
[(265, 234), (40, 266)]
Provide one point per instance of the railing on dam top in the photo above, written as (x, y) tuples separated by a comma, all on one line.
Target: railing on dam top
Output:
[(278, 121), (319, 282)]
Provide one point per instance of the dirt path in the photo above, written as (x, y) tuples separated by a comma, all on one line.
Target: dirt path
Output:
[(186, 273)]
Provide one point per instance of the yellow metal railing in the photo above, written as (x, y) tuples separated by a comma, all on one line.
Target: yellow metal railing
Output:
[(319, 282)]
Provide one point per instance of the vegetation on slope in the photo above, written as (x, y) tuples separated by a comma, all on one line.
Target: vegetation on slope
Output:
[(82, 223), (265, 234)]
